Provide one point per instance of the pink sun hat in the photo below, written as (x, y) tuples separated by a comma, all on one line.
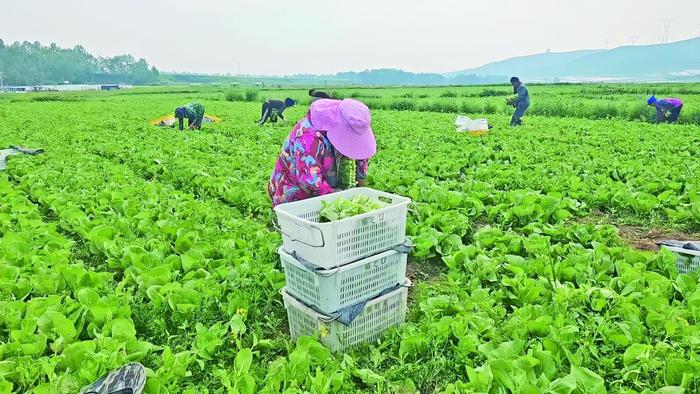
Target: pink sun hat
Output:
[(347, 126)]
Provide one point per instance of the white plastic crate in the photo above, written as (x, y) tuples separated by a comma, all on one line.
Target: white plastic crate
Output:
[(331, 290), (687, 260), (330, 245), (379, 314)]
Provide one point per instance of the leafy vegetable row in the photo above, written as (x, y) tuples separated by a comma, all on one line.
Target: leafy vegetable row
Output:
[(175, 226)]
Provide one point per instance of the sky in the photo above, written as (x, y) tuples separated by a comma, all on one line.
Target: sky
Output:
[(274, 37)]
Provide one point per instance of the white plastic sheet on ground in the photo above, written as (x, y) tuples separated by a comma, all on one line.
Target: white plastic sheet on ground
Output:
[(465, 123)]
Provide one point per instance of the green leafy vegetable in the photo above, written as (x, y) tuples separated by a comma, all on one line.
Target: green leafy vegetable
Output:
[(347, 173), (342, 208)]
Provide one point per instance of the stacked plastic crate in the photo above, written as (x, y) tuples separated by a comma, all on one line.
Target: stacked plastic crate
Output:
[(345, 280), (687, 254)]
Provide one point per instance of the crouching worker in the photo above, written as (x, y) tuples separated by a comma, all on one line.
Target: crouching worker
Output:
[(194, 112), (271, 109), (318, 94), (667, 110), (317, 152)]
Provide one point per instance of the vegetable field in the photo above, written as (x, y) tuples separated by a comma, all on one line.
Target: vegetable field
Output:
[(127, 242)]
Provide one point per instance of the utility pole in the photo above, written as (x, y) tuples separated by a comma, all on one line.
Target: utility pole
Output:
[(2, 86), (667, 31)]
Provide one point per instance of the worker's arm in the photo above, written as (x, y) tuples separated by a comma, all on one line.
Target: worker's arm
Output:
[(197, 123), (200, 117), (662, 107), (310, 168), (660, 115), (361, 172)]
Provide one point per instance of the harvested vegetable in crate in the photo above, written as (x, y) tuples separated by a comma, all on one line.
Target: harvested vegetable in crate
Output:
[(347, 173), (343, 208)]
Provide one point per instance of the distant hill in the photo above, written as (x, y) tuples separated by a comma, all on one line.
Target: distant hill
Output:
[(676, 61), (400, 77), (543, 64), (672, 61)]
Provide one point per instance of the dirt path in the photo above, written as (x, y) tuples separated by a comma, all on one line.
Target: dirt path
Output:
[(640, 237), (425, 271), (644, 238)]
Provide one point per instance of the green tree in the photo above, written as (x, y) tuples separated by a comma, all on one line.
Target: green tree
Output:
[(30, 63)]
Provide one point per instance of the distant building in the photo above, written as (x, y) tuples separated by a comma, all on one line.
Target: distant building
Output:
[(61, 87), (43, 88), (13, 89)]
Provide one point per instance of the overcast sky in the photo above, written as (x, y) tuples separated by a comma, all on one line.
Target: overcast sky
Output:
[(275, 37)]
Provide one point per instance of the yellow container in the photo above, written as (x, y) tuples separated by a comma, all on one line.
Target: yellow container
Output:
[(478, 133)]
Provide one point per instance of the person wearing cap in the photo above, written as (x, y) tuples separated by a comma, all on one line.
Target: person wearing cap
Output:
[(318, 94), (194, 112), (520, 100), (667, 110), (271, 109), (331, 131)]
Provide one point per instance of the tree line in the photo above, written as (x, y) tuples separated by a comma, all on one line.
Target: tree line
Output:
[(28, 63)]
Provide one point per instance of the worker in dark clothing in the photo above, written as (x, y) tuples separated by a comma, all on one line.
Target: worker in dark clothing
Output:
[(520, 100), (318, 94), (667, 110), (271, 109), (194, 112)]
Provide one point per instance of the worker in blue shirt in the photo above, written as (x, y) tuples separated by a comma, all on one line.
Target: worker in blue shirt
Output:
[(520, 100)]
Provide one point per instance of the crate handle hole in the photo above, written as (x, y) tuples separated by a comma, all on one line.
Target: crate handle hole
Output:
[(385, 200)]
